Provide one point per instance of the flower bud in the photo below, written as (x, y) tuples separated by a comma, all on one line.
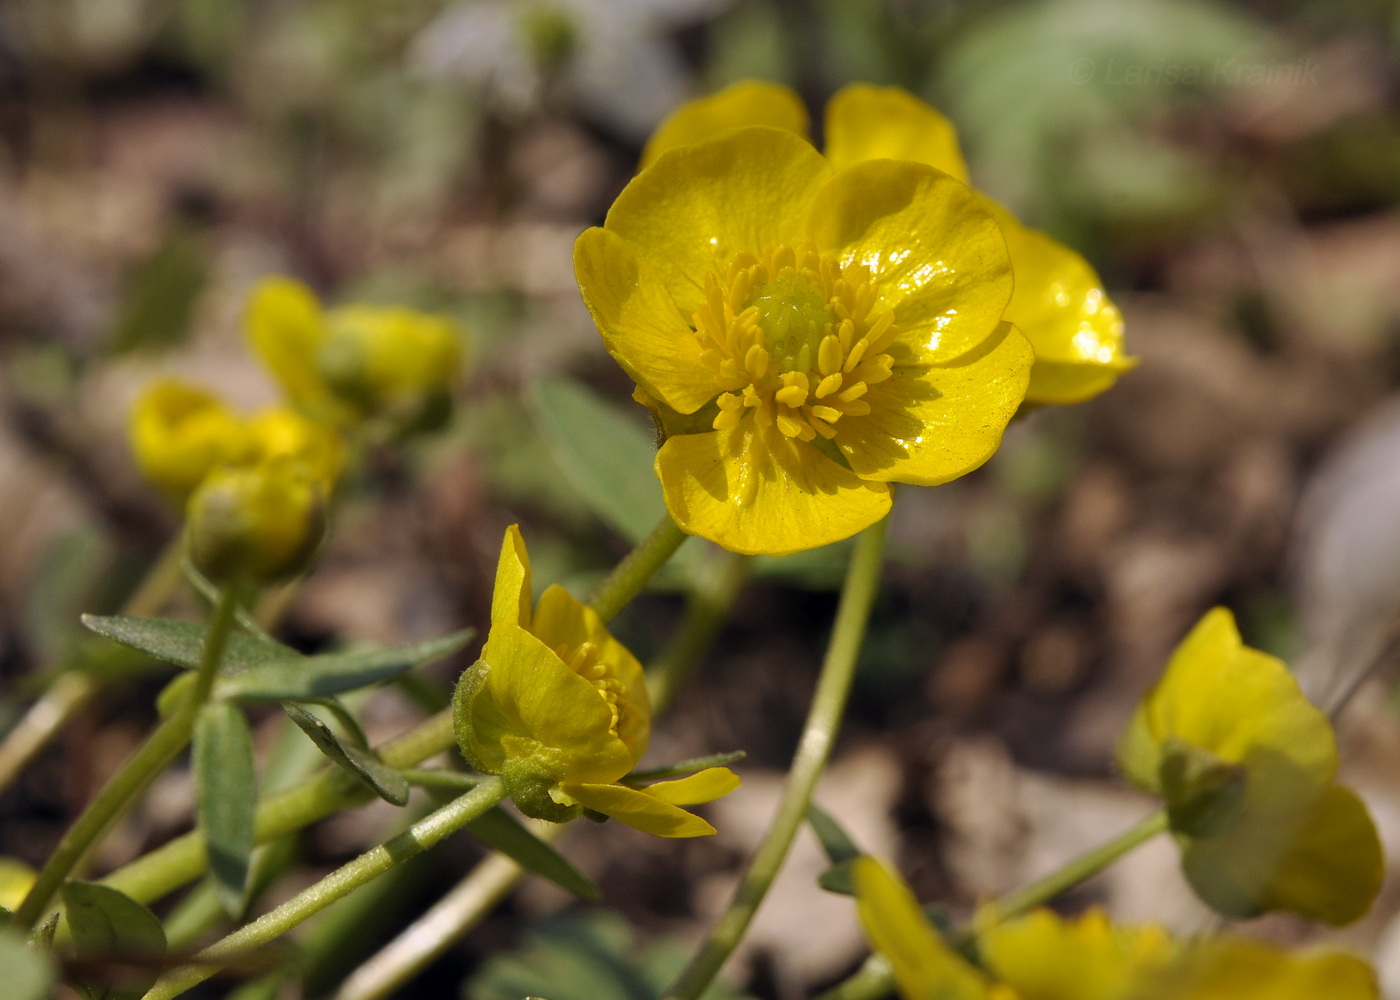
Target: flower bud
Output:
[(278, 432), (258, 523), (391, 360), (179, 433)]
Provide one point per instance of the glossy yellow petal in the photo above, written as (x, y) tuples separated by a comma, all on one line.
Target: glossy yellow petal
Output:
[(510, 600), (1062, 308), (179, 433), (285, 327), (1045, 957), (1221, 696), (703, 786), (928, 425), (924, 967), (755, 491), (641, 326), (748, 102), (699, 204), (934, 251), (865, 122), (1236, 968), (638, 809), (562, 622)]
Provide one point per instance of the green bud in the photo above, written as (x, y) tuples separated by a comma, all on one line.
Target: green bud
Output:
[(256, 524)]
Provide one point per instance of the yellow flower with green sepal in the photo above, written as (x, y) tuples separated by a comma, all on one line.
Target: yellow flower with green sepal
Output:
[(180, 432), (1245, 764), (559, 709), (808, 336), (1059, 302), (355, 361)]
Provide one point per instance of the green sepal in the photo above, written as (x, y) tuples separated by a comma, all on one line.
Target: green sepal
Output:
[(1204, 795), (528, 781)]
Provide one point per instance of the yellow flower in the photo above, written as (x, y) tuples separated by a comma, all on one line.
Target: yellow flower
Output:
[(1043, 956), (278, 432), (559, 709), (256, 523), (1059, 303), (1245, 764), (355, 361), (810, 336), (179, 433)]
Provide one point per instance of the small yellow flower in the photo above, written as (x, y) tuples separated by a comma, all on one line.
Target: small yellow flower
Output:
[(1059, 303), (1043, 956), (559, 709), (1245, 764), (810, 336), (356, 361), (256, 523), (179, 433)]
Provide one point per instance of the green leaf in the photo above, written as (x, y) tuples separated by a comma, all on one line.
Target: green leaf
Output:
[(308, 677), (501, 831), (684, 767), (836, 842), (108, 924), (28, 972), (839, 878), (160, 299), (182, 642), (387, 783), (226, 796)]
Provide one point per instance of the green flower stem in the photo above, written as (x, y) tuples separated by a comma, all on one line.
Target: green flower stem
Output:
[(450, 918), (813, 751), (418, 838), (629, 576), (159, 750), (73, 688), (874, 980)]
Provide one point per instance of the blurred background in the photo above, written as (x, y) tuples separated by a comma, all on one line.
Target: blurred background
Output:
[(1232, 170)]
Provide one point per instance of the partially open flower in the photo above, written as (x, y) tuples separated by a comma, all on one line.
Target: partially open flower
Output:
[(180, 432), (559, 709), (356, 361), (816, 335), (1059, 303), (1245, 765)]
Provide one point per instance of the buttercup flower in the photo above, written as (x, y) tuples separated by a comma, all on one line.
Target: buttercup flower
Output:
[(179, 433), (807, 336), (559, 709), (1245, 764), (356, 361), (1059, 302), (1043, 956)]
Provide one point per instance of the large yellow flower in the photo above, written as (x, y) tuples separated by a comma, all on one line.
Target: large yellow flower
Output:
[(559, 709), (1245, 765), (1059, 303), (809, 336)]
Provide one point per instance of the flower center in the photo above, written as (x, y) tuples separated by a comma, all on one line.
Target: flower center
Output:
[(793, 339), (587, 663)]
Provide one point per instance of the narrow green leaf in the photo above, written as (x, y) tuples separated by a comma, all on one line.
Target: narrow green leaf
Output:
[(839, 878), (28, 972), (501, 831), (226, 796), (684, 767), (387, 783), (834, 839), (182, 642), (334, 673)]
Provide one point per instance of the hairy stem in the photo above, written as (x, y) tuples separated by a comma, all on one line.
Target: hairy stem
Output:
[(813, 751)]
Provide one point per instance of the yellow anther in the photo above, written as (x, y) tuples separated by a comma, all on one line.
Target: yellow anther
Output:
[(828, 414), (729, 401), (791, 426), (756, 361), (853, 392), (828, 385), (856, 353), (792, 395), (821, 426), (856, 408), (797, 378), (829, 354)]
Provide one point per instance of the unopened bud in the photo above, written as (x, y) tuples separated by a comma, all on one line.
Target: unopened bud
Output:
[(258, 523), (391, 361)]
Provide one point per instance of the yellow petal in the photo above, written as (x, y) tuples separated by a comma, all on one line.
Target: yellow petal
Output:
[(179, 433), (936, 254), (929, 425), (285, 327), (638, 809), (753, 491), (1045, 957), (1062, 308), (699, 204), (864, 122), (561, 620), (1222, 696), (530, 702), (1236, 968), (510, 600), (279, 432), (703, 786), (748, 102), (924, 967), (641, 327)]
